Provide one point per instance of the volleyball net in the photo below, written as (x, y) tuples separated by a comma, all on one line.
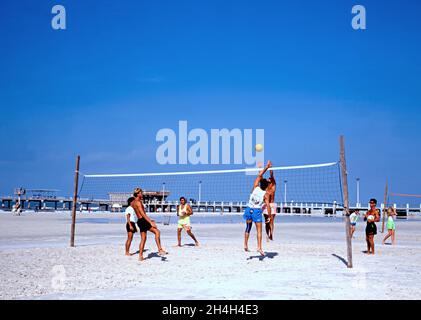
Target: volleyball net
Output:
[(316, 183), (404, 200)]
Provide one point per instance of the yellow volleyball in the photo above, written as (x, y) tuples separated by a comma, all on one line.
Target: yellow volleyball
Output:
[(259, 147)]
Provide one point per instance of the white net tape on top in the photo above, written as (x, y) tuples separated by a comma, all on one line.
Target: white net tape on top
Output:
[(318, 183)]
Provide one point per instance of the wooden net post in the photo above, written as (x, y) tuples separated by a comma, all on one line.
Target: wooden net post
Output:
[(384, 206), (72, 231), (344, 175)]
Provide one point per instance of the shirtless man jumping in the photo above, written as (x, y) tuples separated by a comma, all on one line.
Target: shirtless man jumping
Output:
[(253, 212), (270, 224), (145, 224)]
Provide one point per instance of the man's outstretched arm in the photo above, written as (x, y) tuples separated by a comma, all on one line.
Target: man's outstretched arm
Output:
[(261, 173), (272, 177)]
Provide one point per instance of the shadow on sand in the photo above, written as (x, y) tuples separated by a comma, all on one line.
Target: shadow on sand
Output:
[(269, 255), (341, 259), (155, 255), (137, 252), (189, 245)]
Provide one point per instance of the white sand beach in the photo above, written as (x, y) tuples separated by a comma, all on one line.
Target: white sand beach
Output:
[(304, 262)]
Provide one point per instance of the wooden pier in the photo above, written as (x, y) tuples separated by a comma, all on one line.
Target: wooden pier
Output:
[(40, 204), (321, 209)]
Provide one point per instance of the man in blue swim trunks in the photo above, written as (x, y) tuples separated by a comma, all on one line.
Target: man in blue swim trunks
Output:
[(254, 212)]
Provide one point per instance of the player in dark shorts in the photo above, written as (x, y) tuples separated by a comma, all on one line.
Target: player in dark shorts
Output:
[(270, 223), (372, 216), (145, 224)]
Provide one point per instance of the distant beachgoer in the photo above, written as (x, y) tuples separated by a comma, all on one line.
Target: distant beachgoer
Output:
[(391, 227), (17, 208), (270, 223), (253, 212), (145, 224), (372, 216), (184, 211), (353, 218), (131, 220)]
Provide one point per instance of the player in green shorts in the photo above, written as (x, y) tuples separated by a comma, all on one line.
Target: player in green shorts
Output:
[(391, 227), (184, 211)]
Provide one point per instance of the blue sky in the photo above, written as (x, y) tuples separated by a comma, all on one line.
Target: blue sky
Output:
[(122, 70)]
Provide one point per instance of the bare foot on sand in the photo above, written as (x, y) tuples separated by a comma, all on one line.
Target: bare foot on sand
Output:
[(162, 252), (246, 249), (261, 252), (197, 244)]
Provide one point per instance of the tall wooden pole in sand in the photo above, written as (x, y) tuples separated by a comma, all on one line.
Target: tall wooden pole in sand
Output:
[(72, 231), (344, 175), (384, 206)]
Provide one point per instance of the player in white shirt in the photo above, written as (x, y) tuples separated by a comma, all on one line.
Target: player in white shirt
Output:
[(254, 212), (131, 220), (353, 218)]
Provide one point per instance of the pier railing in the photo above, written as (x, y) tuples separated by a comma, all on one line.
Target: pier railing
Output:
[(170, 207)]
